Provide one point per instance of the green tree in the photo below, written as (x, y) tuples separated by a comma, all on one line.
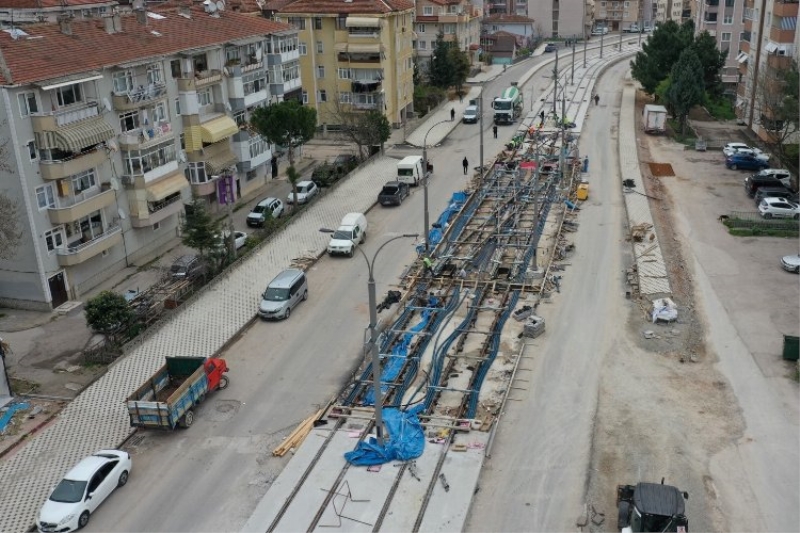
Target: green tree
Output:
[(107, 313), (777, 96), (441, 67), (659, 53), (686, 89), (460, 65), (201, 232), (375, 128), (287, 123), (712, 61), (293, 176)]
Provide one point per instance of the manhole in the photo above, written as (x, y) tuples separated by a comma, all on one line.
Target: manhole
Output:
[(660, 170), (222, 410)]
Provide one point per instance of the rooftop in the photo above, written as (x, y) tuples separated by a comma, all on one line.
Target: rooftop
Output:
[(43, 51), (335, 7)]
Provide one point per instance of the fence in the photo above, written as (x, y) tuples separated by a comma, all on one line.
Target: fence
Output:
[(754, 220)]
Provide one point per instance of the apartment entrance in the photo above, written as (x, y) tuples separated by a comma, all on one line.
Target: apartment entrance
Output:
[(58, 289)]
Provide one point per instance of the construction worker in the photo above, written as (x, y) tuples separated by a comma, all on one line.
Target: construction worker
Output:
[(428, 264), (465, 164), (494, 130)]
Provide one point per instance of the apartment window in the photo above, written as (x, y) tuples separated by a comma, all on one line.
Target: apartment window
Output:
[(258, 146), (71, 94), (323, 96), (239, 118), (602, 4), (27, 104), (204, 97), (156, 227), (420, 28), (291, 71), (344, 74), (32, 150), (175, 68), (449, 29), (44, 196), (305, 97), (320, 71), (138, 162), (302, 48), (730, 3), (54, 238), (319, 47), (726, 37), (344, 98), (196, 172), (154, 73), (160, 113), (423, 45), (251, 175), (177, 107), (627, 4), (341, 22), (727, 19), (123, 82), (255, 82), (297, 22), (427, 10), (83, 182), (129, 121), (317, 23), (200, 63), (232, 55)]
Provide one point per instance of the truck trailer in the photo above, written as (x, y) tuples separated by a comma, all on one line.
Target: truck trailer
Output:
[(508, 106), (654, 118), (168, 397)]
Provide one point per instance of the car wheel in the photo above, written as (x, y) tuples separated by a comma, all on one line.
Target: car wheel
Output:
[(187, 420), (305, 295), (351, 252), (364, 237), (734, 167), (287, 313), (123, 478), (797, 217), (83, 520), (767, 215), (223, 383)]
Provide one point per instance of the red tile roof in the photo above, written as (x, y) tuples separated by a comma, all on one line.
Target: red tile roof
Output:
[(331, 7), (47, 53), (508, 19), (42, 4)]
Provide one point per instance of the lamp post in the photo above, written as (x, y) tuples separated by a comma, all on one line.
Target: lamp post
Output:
[(583, 31), (425, 183), (601, 43), (373, 325)]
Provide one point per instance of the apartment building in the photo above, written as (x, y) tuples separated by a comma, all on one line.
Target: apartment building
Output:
[(562, 18), (616, 15), (456, 19), (520, 26), (114, 123), (677, 10), (355, 56), (767, 45), (505, 7), (723, 20)]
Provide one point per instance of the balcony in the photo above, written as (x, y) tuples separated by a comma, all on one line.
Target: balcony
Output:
[(367, 101), (153, 202), (76, 254), (56, 170), (710, 18), (780, 34), (65, 116), (785, 9), (712, 2), (281, 58), (366, 86), (75, 207), (140, 97), (779, 62), (744, 46), (207, 77), (277, 89), (71, 129), (453, 18), (156, 212), (255, 97), (204, 189), (145, 137)]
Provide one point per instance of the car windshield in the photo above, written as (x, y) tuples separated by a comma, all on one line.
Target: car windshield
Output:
[(69, 491), (176, 268), (502, 106), (276, 295), (259, 209), (342, 235), (405, 172), (389, 190)]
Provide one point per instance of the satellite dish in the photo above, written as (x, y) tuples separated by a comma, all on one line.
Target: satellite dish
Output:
[(227, 105), (211, 7), (112, 144), (106, 104), (182, 156), (220, 5)]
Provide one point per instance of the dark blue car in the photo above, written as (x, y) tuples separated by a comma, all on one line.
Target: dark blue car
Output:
[(551, 47), (745, 162)]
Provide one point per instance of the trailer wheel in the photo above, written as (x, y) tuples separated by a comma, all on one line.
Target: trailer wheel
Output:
[(187, 419), (623, 515), (223, 382)]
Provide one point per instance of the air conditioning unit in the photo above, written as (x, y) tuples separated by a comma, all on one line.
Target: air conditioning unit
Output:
[(781, 51)]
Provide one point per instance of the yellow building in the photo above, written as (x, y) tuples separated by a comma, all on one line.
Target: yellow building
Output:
[(355, 56)]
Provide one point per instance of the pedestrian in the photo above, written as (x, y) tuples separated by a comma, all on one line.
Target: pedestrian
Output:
[(428, 264), (274, 167), (452, 114), (586, 164), (465, 163), (494, 130), (461, 96), (541, 117), (596, 99)]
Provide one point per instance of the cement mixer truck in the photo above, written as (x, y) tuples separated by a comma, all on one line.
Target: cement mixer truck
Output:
[(508, 106)]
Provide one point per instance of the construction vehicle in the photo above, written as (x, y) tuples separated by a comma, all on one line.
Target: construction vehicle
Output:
[(508, 106), (651, 507), (168, 398)]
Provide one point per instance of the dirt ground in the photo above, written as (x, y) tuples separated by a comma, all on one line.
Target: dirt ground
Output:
[(664, 410)]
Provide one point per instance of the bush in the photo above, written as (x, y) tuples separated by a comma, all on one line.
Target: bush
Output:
[(108, 312), (426, 97), (719, 108)]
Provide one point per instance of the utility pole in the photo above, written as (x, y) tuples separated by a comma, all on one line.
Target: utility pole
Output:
[(555, 86), (583, 30), (480, 125), (641, 29), (620, 41), (601, 44), (572, 66)]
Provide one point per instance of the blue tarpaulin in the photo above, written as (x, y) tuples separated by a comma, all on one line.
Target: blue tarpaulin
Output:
[(406, 440), (435, 234), (9, 414)]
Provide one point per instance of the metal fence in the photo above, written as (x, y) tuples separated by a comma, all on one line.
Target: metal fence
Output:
[(754, 220)]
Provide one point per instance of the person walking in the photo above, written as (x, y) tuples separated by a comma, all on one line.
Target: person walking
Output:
[(596, 99), (494, 130), (465, 163), (452, 114), (541, 118), (428, 264)]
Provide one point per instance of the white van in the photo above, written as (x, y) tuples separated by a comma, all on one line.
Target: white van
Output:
[(352, 232), (283, 293), (409, 170)]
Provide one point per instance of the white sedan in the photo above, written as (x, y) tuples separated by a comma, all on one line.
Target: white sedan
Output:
[(731, 148), (239, 238), (778, 208), (82, 490)]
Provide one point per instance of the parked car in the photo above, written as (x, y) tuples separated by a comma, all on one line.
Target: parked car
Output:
[(344, 163), (239, 238), (324, 175), (781, 174), (755, 152), (633, 28), (393, 193), (600, 31), (757, 181), (745, 162), (791, 263), (774, 192), (778, 208), (187, 267), (731, 148), (268, 207), (283, 294), (470, 115), (550, 47), (306, 190), (82, 490)]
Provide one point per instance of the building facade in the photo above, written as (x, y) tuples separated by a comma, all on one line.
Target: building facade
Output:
[(562, 19), (616, 15), (115, 123), (457, 20), (355, 56), (518, 25), (768, 44), (723, 20)]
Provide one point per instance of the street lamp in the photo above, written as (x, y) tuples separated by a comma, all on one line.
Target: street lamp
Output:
[(425, 183), (373, 325)]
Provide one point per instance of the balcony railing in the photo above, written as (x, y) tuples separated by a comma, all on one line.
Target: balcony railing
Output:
[(109, 232), (73, 113), (75, 199), (143, 94), (207, 77), (154, 207)]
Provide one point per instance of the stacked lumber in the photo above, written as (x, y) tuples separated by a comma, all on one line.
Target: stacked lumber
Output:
[(297, 436)]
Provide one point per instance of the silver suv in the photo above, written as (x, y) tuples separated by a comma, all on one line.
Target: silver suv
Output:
[(283, 293)]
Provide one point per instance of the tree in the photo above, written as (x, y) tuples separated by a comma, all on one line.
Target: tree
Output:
[(459, 62), (686, 89), (712, 61), (287, 123), (294, 177), (659, 53), (201, 232), (10, 233), (107, 312), (441, 68), (777, 95)]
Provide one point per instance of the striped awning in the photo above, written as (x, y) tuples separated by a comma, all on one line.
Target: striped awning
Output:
[(364, 48), (788, 23), (79, 135), (166, 186), (218, 129), (742, 57), (217, 164), (362, 22)]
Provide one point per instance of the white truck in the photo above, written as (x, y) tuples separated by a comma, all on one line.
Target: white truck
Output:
[(654, 118), (352, 232), (508, 106), (409, 170)]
